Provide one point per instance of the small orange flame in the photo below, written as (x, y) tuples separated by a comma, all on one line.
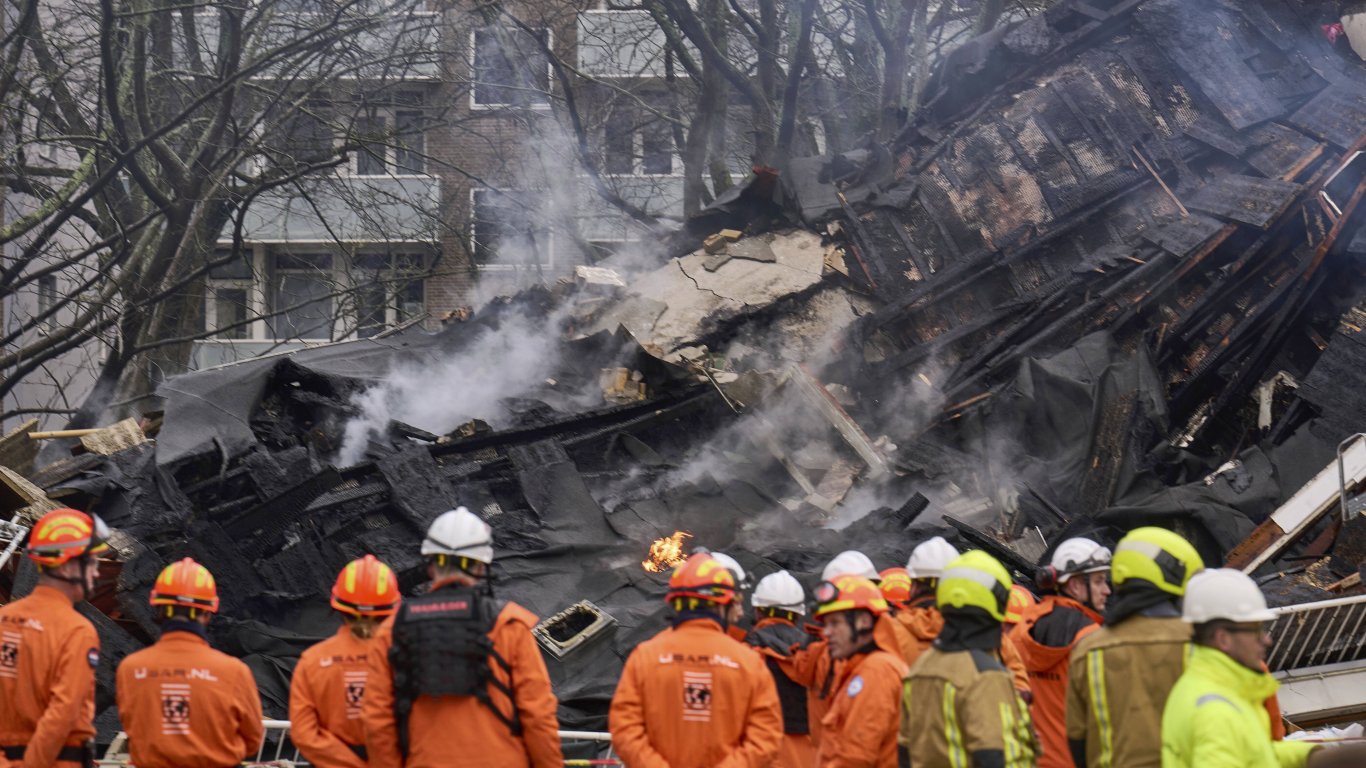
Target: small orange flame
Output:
[(666, 553)]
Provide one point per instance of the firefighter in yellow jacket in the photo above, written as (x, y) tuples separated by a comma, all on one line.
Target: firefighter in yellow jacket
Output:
[(1119, 676), (1216, 716), (958, 706)]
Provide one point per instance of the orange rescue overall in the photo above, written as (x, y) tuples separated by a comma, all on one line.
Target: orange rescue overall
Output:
[(692, 697), (325, 699), (185, 705), (48, 655), (860, 729)]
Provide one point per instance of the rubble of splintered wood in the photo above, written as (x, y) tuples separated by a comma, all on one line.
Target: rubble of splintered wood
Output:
[(1110, 275)]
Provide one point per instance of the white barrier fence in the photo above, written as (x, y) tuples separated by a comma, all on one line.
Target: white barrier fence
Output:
[(284, 755)]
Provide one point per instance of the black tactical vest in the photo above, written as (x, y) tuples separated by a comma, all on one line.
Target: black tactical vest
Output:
[(442, 648), (792, 697)]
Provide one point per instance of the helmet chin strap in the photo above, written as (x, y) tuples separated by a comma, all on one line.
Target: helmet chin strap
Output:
[(80, 581)]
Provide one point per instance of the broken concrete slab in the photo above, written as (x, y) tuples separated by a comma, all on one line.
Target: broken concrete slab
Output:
[(696, 299)]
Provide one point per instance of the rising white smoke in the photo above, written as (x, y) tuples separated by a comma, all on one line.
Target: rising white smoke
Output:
[(509, 361)]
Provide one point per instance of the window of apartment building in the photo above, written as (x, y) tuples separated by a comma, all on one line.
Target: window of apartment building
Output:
[(305, 133), (301, 296), (313, 296), (636, 143), (505, 231), (228, 294), (509, 68), (47, 299), (393, 137), (389, 290)]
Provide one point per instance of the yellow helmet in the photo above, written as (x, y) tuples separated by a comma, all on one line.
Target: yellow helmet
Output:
[(975, 580), (1157, 556)]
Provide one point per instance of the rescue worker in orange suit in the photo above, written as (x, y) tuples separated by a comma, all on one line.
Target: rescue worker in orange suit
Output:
[(779, 603), (48, 651), (691, 696), (959, 708), (921, 617), (812, 665), (328, 688), (182, 703), (1120, 675), (455, 677), (1076, 587), (860, 729)]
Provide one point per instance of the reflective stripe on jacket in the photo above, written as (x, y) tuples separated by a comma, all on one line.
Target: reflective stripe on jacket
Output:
[(48, 655), (1118, 680), (692, 697), (1047, 669), (1215, 718), (325, 700), (960, 710), (186, 705)]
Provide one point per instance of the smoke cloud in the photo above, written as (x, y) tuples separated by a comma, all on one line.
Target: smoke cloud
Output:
[(508, 361)]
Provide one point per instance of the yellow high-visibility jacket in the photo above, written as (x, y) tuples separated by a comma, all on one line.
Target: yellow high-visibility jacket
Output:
[(1215, 718)]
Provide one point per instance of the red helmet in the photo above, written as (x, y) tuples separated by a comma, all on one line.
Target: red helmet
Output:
[(1019, 601), (896, 586), (63, 535), (366, 587), (185, 583), (703, 577), (849, 593)]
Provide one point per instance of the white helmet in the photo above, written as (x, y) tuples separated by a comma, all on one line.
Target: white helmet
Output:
[(460, 533), (1224, 593), (741, 579), (779, 590), (929, 558), (1079, 555), (850, 563)]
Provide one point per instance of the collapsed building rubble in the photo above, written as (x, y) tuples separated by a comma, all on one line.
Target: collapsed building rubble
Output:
[(1110, 276)]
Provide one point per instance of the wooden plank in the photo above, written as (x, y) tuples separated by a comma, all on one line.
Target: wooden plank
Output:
[(116, 437), (1311, 502), (1246, 199), (1337, 114), (816, 395)]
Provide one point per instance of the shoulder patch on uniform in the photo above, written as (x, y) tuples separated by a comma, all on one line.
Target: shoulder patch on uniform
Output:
[(93, 656), (986, 661), (855, 686)]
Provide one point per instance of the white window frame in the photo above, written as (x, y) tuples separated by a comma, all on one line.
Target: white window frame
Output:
[(548, 264), (46, 287), (215, 284), (549, 77)]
